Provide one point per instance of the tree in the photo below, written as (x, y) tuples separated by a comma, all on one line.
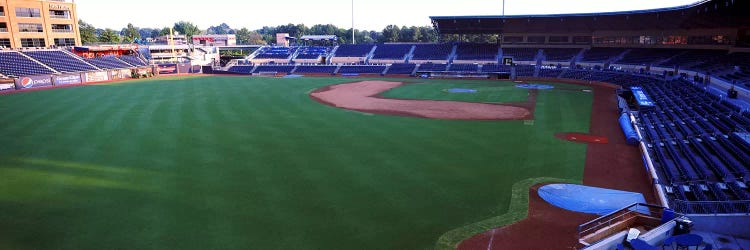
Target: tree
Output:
[(187, 28), (109, 36), (155, 33), (245, 36), (165, 31), (130, 33), (222, 29), (88, 32), (391, 33)]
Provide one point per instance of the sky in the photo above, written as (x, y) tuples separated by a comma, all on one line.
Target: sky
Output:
[(369, 14)]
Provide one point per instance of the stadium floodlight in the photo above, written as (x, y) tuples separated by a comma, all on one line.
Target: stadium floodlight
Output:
[(353, 41)]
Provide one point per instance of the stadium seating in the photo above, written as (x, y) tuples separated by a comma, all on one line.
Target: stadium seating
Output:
[(354, 50), (276, 52), (649, 56), (60, 60), (362, 69), (524, 70), (560, 55), (312, 52), (433, 67), (464, 67), (392, 51), (241, 69), (401, 68), (133, 60), (314, 69), (520, 54), (13, 63), (274, 68), (108, 62), (601, 54), (493, 67), (477, 52), (432, 52)]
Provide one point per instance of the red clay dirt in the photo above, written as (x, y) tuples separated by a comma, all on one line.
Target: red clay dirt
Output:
[(582, 138), (615, 165), (363, 97)]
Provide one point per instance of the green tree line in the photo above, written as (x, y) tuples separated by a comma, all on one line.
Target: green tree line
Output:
[(262, 36)]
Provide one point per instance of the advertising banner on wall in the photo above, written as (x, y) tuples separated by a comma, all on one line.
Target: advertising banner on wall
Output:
[(7, 84), (28, 82), (184, 68), (120, 74), (167, 69), (67, 79), (100, 76)]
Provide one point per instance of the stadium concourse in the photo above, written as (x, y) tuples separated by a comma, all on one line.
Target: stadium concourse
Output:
[(677, 78)]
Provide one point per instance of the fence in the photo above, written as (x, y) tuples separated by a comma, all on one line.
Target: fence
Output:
[(712, 207)]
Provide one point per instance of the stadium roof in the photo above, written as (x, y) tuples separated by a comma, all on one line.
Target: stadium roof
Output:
[(703, 14)]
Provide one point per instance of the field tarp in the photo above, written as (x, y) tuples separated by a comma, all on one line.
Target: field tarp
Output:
[(590, 200)]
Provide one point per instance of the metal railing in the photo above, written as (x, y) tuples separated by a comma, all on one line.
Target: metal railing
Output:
[(3, 29), (62, 31), (59, 16), (712, 207), (619, 216)]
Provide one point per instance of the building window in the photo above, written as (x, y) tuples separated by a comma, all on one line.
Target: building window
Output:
[(62, 28), (2, 10), (59, 14), (3, 27), (33, 42), (30, 27), (582, 39), (5, 42), (65, 42), (559, 39), (536, 39), (28, 12)]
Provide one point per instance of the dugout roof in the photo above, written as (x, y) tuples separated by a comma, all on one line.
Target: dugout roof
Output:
[(706, 14)]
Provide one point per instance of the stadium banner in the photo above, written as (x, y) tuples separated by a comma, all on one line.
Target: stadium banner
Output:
[(7, 84), (67, 79), (167, 69), (120, 74), (99, 76), (184, 68), (28, 82), (641, 97)]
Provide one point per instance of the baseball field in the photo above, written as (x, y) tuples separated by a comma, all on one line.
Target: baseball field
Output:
[(271, 163)]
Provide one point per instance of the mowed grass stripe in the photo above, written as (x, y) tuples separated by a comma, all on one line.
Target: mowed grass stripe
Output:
[(238, 163)]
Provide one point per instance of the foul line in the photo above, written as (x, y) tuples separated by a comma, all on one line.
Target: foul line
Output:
[(517, 210)]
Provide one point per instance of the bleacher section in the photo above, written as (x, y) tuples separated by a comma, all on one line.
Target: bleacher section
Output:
[(600, 55), (464, 67), (13, 63), (493, 67), (520, 54), (560, 55), (276, 52), (362, 69), (401, 69), (694, 58), (312, 52), (313, 69), (701, 161), (108, 62), (435, 67), (476, 52), (133, 60), (285, 69), (241, 69), (60, 60), (648, 56), (392, 51), (432, 52), (354, 50)]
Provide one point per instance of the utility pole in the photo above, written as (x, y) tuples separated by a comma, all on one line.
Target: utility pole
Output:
[(503, 8)]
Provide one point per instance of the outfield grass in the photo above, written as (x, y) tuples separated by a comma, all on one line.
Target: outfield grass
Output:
[(254, 163)]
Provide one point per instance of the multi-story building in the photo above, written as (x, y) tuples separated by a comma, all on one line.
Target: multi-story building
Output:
[(38, 23)]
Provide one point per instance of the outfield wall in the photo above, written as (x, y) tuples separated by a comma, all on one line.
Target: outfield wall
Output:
[(43, 81)]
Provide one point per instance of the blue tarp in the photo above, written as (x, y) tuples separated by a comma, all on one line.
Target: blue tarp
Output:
[(630, 135), (590, 200)]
